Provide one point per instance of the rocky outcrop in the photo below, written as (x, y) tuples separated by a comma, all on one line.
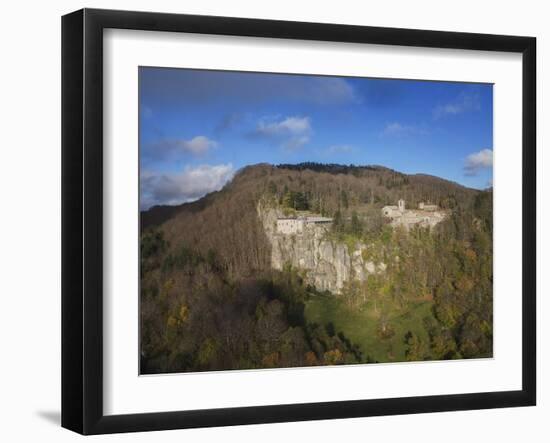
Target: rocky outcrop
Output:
[(327, 264)]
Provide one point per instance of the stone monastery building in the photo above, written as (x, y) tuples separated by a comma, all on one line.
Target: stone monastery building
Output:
[(425, 215), (294, 225)]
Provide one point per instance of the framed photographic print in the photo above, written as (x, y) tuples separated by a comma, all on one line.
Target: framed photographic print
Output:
[(269, 221)]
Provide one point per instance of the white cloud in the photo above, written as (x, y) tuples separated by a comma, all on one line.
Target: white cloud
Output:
[(146, 111), (291, 132), (478, 161), (296, 142), (463, 103), (340, 149), (399, 129), (330, 90), (393, 128), (198, 145), (171, 148), (188, 185), (288, 126)]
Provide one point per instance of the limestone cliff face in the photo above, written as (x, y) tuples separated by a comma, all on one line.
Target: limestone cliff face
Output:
[(328, 264)]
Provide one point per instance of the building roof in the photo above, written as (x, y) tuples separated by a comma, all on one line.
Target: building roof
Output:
[(308, 219), (318, 219)]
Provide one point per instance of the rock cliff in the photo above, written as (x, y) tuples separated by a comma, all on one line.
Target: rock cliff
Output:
[(328, 264)]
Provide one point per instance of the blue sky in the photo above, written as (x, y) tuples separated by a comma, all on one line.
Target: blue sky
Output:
[(197, 128)]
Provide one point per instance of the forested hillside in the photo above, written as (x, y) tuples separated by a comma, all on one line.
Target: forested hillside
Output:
[(211, 301)]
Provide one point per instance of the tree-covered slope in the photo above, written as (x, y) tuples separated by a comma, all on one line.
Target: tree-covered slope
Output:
[(210, 300)]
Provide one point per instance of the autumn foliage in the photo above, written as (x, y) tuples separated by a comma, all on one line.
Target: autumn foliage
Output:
[(209, 299)]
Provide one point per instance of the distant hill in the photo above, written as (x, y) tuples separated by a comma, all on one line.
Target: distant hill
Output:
[(326, 183), (157, 215)]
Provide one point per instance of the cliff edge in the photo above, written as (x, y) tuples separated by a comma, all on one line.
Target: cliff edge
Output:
[(327, 264)]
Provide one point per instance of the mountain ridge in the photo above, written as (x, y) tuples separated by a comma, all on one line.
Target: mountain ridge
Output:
[(158, 214)]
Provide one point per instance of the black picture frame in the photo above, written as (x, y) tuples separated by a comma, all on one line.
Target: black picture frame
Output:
[(82, 218)]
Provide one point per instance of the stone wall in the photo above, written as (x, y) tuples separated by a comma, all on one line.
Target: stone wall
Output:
[(289, 226), (421, 218), (425, 215)]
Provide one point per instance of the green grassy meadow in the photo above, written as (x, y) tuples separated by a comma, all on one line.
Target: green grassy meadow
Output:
[(361, 325)]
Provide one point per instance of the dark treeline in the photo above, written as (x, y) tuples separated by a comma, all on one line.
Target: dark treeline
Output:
[(331, 168), (194, 318), (210, 301), (329, 188)]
